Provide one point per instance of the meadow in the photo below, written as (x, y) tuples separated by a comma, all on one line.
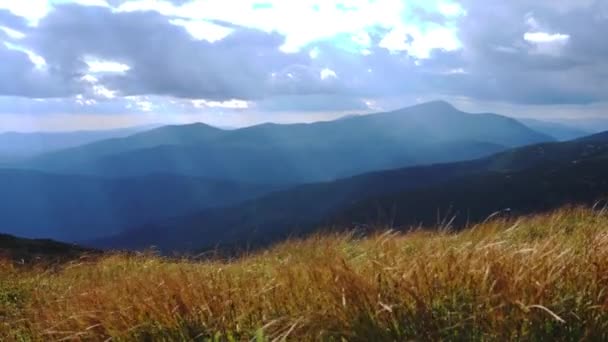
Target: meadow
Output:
[(540, 277)]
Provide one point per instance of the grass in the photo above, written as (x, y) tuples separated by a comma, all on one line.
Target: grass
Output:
[(541, 277)]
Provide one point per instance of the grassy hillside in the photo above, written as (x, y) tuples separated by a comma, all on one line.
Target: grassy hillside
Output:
[(534, 278), (23, 251)]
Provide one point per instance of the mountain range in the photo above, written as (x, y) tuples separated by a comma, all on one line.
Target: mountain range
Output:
[(526, 179), (18, 146), (75, 207), (194, 187), (559, 131), (298, 153)]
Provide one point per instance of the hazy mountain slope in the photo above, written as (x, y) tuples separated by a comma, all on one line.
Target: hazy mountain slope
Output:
[(69, 208), (593, 146), (299, 153), (81, 156), (429, 123), (560, 132), (520, 179), (15, 146), (589, 124), (280, 165)]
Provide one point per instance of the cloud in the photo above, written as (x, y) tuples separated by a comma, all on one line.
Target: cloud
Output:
[(100, 66), (11, 21), (544, 37), (20, 76), (153, 48), (142, 56), (313, 103), (160, 58), (534, 53)]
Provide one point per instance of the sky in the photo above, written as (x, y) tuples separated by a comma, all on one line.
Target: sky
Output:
[(96, 64)]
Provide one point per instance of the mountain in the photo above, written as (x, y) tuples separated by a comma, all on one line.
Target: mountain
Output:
[(559, 131), (589, 124), (299, 153), (474, 198), (70, 208), (524, 179), (48, 251), (17, 146)]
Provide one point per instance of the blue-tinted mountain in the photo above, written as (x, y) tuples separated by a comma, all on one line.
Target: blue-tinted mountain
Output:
[(71, 207), (526, 179), (299, 153), (17, 146), (559, 131), (589, 124)]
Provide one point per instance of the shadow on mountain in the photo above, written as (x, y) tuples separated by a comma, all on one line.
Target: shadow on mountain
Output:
[(523, 180)]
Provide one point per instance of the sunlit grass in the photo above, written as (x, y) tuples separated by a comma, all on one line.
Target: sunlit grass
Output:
[(536, 278)]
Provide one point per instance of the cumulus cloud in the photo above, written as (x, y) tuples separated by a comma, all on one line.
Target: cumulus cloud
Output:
[(138, 56)]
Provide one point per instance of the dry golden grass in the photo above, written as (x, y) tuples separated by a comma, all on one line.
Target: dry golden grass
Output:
[(543, 277)]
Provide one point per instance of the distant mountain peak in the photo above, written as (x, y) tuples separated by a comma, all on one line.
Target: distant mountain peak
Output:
[(432, 107), (437, 105), (193, 125)]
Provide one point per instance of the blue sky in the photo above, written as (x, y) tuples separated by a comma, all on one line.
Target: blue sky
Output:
[(110, 63)]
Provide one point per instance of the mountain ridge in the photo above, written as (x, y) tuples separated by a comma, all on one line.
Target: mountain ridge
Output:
[(422, 134), (77, 207), (298, 210)]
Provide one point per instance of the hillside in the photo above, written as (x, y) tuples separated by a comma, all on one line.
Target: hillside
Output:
[(559, 131), (71, 208), (43, 251), (538, 278), (17, 146), (299, 153), (526, 179), (473, 198)]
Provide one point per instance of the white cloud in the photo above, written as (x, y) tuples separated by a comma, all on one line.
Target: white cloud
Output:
[(99, 66), (102, 3), (141, 103), (97, 90), (306, 21), (457, 71), (231, 104), (89, 79), (163, 7), (14, 34), (328, 73), (103, 92), (38, 61), (451, 9), (314, 53), (81, 100), (32, 10), (544, 37), (372, 105), (202, 29), (419, 43), (547, 43)]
